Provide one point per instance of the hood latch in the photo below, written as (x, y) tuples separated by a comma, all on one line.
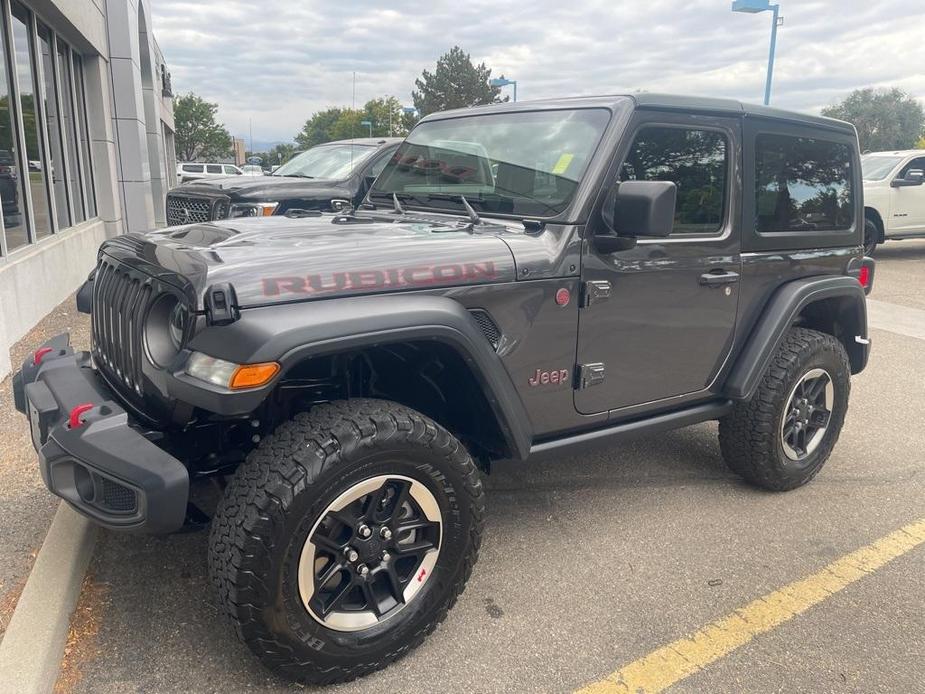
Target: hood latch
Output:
[(221, 303)]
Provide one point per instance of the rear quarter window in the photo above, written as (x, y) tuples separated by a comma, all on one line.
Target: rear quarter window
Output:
[(193, 168), (802, 184)]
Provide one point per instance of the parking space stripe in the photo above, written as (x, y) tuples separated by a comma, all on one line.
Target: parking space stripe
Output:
[(678, 660)]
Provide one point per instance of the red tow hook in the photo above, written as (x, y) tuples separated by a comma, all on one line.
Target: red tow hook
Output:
[(40, 354), (74, 421)]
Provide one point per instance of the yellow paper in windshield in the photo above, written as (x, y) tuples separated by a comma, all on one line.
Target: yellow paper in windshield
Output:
[(562, 165)]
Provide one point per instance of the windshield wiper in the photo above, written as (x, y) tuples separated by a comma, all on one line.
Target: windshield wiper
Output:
[(293, 175)]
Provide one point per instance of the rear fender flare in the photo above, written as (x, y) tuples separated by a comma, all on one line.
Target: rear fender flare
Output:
[(782, 311)]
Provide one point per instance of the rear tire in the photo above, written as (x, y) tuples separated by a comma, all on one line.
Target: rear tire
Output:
[(871, 236), (774, 440), (320, 497)]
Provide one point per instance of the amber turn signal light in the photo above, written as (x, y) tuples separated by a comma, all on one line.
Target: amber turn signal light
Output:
[(253, 375)]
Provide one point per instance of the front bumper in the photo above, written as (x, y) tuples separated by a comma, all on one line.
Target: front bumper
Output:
[(106, 467)]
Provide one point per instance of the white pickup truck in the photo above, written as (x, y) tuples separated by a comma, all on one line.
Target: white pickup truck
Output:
[(894, 197)]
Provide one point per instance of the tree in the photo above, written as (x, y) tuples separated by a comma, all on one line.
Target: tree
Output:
[(198, 135), (341, 123), (387, 113), (456, 83), (279, 154), (319, 128), (885, 118)]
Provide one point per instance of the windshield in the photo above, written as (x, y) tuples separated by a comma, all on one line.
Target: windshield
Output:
[(524, 164), (327, 161), (876, 168)]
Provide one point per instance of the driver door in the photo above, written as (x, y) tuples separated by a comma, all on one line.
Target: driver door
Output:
[(657, 320), (909, 201)]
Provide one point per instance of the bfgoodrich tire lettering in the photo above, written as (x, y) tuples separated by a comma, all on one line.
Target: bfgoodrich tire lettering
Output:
[(751, 436), (277, 496)]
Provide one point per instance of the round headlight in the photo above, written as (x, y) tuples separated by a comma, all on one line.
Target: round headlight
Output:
[(176, 326), (165, 329)]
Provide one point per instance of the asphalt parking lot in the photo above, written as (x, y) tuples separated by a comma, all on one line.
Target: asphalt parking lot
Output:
[(593, 561)]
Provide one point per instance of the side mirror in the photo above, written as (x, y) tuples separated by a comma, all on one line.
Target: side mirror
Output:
[(914, 177), (641, 208)]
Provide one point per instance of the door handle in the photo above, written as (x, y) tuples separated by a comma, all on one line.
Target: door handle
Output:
[(718, 278)]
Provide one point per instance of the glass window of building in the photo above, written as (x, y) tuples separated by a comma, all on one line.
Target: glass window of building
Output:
[(11, 178), (52, 121), (86, 167), (25, 76), (69, 131)]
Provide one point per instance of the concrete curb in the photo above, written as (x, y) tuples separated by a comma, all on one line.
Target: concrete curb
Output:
[(31, 650)]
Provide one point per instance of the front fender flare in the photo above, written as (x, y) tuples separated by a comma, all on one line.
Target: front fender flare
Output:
[(290, 333), (781, 312)]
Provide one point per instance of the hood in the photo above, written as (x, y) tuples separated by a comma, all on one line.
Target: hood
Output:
[(277, 260), (260, 188)]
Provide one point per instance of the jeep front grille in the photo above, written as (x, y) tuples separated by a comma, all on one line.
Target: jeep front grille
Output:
[(191, 209), (120, 302)]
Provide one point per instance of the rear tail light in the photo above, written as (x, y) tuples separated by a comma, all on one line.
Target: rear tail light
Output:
[(864, 276)]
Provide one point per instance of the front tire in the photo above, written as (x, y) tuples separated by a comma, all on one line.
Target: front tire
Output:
[(781, 438), (345, 537)]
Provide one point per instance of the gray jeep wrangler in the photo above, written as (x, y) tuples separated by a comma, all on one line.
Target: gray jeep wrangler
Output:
[(520, 279)]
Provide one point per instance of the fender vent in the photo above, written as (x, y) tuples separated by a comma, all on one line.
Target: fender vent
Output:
[(489, 328)]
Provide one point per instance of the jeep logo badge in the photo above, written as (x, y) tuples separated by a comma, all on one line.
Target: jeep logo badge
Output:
[(542, 378)]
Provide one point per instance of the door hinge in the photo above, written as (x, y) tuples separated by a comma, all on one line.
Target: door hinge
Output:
[(595, 290), (590, 374)]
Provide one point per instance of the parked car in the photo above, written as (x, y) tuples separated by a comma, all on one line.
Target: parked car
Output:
[(196, 171), (894, 196), (519, 282), (252, 170), (325, 177)]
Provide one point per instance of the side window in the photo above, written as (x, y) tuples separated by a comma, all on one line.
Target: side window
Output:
[(379, 164), (192, 168), (213, 168), (231, 171), (918, 163), (696, 161), (802, 184)]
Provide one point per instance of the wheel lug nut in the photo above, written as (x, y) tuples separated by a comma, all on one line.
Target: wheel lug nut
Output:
[(363, 570), (385, 533), (351, 554), (386, 556), (364, 531)]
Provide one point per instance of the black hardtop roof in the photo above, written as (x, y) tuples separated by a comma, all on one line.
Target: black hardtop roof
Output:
[(645, 100)]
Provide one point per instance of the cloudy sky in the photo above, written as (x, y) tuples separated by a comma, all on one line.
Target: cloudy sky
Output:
[(276, 61)]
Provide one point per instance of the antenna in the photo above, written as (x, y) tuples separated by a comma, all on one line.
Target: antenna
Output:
[(473, 215)]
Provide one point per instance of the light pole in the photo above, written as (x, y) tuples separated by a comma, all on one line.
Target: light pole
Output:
[(369, 124), (503, 82), (754, 7)]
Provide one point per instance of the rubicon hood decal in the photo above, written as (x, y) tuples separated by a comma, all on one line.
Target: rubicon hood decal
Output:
[(413, 277), (281, 260)]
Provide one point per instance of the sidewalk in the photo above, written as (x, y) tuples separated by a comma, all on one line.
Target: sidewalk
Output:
[(26, 507)]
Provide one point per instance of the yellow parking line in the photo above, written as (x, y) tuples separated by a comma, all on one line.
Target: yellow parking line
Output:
[(676, 661)]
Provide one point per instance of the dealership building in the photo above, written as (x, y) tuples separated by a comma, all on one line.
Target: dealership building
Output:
[(86, 145)]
